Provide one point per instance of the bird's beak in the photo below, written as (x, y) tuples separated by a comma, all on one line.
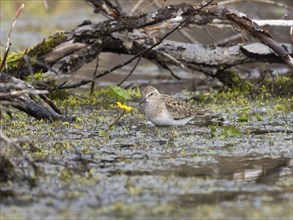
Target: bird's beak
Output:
[(142, 101)]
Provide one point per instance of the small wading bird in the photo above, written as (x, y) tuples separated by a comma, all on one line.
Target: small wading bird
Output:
[(165, 110)]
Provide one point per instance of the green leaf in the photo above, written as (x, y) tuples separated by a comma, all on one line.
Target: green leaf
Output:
[(232, 131), (258, 117), (213, 130), (103, 133), (244, 109), (243, 118), (138, 92), (119, 93)]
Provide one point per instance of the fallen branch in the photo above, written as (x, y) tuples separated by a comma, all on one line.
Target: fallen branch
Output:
[(19, 94), (73, 49)]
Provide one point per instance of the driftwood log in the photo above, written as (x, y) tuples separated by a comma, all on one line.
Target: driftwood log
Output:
[(67, 52)]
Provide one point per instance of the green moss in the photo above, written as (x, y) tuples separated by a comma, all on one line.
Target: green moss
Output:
[(66, 175), (37, 76), (47, 44), (15, 60), (280, 97)]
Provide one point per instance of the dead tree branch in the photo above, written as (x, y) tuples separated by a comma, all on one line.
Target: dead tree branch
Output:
[(73, 49), (23, 96)]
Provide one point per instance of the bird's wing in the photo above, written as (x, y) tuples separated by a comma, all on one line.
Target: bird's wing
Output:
[(178, 108)]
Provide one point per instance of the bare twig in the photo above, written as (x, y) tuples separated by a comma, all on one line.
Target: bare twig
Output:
[(116, 120), (28, 64), (94, 75), (228, 39), (106, 7), (18, 12), (165, 66), (50, 103), (138, 3), (130, 73), (147, 6)]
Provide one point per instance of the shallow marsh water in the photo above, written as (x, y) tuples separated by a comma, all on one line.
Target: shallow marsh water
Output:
[(138, 170)]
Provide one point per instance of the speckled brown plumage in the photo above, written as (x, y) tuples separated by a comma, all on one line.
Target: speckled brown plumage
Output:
[(177, 108)]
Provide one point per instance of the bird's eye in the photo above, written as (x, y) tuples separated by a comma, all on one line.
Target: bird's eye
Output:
[(151, 94)]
